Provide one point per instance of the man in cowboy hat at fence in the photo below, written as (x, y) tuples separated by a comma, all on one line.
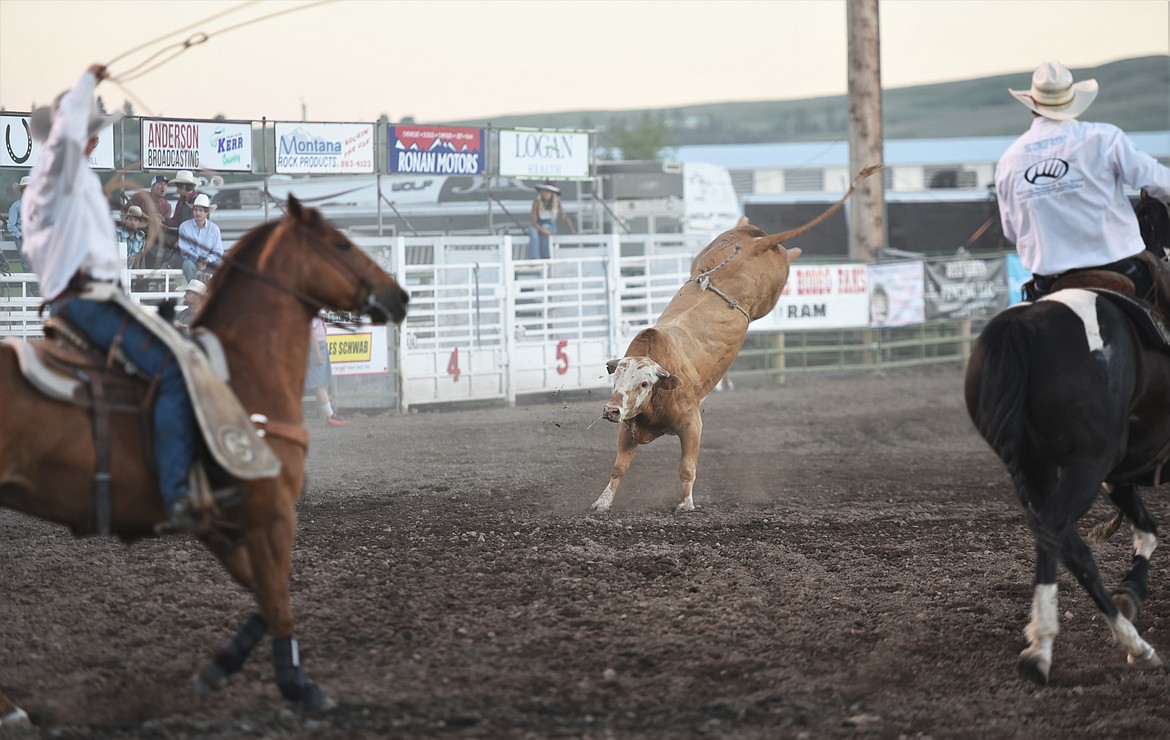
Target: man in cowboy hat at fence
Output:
[(1061, 188), (16, 225), (157, 208), (69, 239), (132, 234), (200, 241)]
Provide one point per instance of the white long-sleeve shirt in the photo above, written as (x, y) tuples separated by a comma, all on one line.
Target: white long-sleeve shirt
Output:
[(67, 221), (1061, 189)]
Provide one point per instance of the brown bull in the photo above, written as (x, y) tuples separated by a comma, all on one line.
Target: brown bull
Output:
[(670, 368)]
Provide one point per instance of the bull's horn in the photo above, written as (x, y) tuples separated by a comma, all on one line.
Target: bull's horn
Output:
[(775, 239)]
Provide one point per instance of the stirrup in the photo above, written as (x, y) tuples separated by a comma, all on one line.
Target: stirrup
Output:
[(208, 499)]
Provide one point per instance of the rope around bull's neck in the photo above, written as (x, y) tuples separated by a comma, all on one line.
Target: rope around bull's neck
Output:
[(703, 280)]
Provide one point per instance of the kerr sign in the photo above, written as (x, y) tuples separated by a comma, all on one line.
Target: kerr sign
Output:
[(539, 154), (21, 151), (195, 145)]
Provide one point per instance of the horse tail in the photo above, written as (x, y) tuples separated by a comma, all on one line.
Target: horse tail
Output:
[(998, 413)]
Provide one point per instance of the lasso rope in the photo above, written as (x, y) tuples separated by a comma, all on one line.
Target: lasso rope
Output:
[(171, 51)]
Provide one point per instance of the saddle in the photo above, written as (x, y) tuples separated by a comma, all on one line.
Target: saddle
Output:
[(68, 368), (1150, 313)]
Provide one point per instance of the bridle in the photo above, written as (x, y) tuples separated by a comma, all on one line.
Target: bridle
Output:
[(363, 299)]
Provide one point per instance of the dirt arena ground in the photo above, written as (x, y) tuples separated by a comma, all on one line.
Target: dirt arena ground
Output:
[(858, 568)]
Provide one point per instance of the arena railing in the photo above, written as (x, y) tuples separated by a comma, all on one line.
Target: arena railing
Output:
[(486, 326)]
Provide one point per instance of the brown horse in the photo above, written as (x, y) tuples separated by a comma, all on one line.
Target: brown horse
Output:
[(259, 304)]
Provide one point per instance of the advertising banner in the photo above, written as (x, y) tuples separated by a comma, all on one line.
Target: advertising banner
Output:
[(196, 145), (896, 294), (360, 349), (820, 297), (21, 151), (435, 150), (541, 154), (965, 289), (1017, 276), (325, 148)]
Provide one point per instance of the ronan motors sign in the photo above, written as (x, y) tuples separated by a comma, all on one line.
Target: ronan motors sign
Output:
[(168, 144), (435, 150), (325, 148), (532, 154)]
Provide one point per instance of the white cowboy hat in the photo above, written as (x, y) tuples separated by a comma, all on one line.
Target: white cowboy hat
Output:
[(135, 212), (202, 201), (40, 121), (547, 185), (1053, 94), (197, 287), (19, 186), (184, 177)]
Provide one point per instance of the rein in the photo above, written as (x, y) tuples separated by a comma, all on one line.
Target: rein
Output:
[(304, 298), (703, 280)]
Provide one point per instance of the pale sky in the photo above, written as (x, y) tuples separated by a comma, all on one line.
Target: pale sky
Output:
[(442, 60)]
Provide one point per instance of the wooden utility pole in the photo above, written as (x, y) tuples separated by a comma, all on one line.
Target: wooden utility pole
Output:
[(867, 207)]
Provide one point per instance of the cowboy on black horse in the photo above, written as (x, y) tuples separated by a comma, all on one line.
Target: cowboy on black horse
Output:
[(1061, 190)]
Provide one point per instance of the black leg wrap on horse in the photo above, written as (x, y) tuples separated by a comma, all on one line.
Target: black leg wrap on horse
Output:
[(1137, 580), (290, 677), (215, 674), (232, 658)]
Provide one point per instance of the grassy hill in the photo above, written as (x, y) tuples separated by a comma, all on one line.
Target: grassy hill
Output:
[(1135, 95)]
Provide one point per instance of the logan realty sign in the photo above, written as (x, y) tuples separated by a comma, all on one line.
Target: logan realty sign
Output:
[(539, 154)]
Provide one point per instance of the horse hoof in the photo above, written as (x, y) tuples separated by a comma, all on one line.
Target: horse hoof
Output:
[(1033, 669), (315, 700), (209, 680), (1127, 603), (599, 507), (1149, 660), (16, 717)]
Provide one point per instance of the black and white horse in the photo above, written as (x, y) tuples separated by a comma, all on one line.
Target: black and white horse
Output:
[(1074, 398)]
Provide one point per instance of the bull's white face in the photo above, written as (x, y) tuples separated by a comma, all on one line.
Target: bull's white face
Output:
[(634, 379)]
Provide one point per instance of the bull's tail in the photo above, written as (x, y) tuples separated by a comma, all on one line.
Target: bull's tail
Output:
[(784, 236), (997, 382)]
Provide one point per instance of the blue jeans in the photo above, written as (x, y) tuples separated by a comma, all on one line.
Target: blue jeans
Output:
[(537, 242), (174, 419), (191, 269)]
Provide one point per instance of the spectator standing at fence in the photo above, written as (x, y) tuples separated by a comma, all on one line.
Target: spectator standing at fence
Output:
[(16, 224), (186, 184), (194, 296), (132, 234), (200, 242), (546, 212), (157, 208), (320, 373), (1061, 186), (70, 243)]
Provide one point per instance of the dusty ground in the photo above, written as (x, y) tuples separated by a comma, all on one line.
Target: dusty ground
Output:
[(858, 568)]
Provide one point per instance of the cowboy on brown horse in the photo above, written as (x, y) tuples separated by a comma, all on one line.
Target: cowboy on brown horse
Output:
[(69, 239)]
